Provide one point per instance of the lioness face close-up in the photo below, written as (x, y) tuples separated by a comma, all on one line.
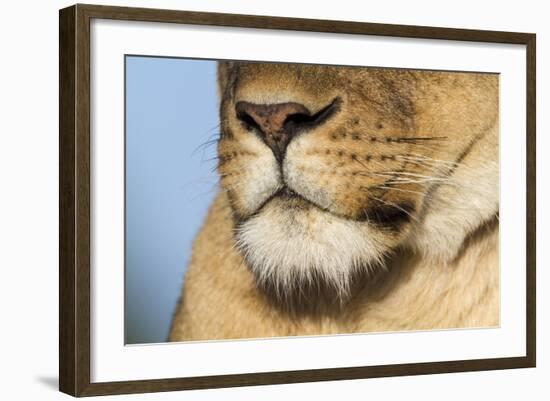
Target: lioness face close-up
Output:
[(351, 199)]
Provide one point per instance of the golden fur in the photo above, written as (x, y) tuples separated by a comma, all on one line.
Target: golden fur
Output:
[(393, 219)]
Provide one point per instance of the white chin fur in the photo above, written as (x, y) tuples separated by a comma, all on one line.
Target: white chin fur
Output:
[(289, 246)]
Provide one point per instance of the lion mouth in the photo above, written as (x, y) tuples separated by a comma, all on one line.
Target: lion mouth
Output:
[(286, 193), (291, 199), (389, 216)]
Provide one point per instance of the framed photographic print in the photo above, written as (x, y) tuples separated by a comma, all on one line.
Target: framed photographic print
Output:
[(251, 200)]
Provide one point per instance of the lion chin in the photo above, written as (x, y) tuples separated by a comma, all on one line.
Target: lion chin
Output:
[(292, 244)]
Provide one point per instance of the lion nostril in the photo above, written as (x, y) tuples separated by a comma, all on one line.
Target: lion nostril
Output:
[(271, 118), (297, 119), (278, 123)]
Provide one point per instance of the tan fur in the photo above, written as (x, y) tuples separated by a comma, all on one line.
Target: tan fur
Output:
[(435, 268)]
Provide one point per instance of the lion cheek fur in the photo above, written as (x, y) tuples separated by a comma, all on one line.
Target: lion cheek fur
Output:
[(249, 188)]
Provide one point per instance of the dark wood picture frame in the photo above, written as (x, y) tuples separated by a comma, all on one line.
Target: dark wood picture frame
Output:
[(74, 199)]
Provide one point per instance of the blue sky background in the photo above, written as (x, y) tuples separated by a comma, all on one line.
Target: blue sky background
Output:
[(171, 109)]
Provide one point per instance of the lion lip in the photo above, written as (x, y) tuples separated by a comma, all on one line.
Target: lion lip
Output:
[(283, 193), (290, 197), (286, 192)]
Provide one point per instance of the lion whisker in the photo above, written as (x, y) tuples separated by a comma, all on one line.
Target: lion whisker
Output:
[(389, 203)]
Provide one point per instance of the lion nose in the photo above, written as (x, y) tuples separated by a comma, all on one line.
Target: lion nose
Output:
[(276, 124)]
